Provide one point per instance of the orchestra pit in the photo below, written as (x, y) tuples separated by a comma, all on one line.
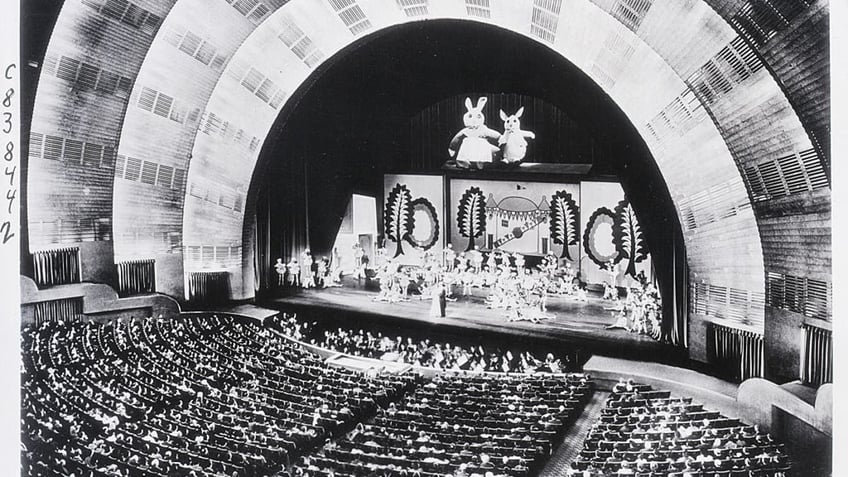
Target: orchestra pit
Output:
[(426, 238)]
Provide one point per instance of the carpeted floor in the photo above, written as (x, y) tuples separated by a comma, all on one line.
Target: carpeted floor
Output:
[(572, 443)]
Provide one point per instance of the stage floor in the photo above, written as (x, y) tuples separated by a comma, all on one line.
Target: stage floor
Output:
[(576, 323)]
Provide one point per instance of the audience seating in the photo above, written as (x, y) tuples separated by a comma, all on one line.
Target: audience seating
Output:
[(207, 396), (649, 433), (460, 424)]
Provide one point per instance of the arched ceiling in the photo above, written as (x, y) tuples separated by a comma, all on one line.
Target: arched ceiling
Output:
[(154, 112)]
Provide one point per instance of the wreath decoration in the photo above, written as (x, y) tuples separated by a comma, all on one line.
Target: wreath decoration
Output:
[(423, 205), (600, 216)]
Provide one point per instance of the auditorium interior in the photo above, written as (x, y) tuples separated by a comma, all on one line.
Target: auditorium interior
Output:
[(464, 238)]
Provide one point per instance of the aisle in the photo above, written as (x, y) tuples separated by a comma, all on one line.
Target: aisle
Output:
[(572, 443)]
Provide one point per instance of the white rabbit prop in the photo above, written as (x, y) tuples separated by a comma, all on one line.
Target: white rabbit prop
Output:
[(514, 139), (471, 144)]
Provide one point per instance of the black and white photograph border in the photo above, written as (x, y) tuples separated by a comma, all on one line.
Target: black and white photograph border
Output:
[(421, 237)]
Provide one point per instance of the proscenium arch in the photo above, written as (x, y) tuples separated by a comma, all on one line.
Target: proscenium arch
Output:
[(648, 82), (351, 157)]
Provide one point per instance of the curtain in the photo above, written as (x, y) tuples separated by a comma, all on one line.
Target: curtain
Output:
[(817, 355), (675, 323), (262, 259), (208, 287), (63, 309), (739, 352), (56, 267), (136, 277), (281, 218)]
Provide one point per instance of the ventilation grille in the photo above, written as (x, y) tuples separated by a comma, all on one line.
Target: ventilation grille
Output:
[(731, 304), (149, 172), (194, 46), (219, 195), (759, 20), (545, 19), (731, 66), (478, 8), (714, 204), (71, 151), (255, 10), (809, 297), (630, 13), (72, 230), (224, 256), (414, 8), (351, 15), (679, 117), (166, 106), (86, 77), (792, 174), (260, 85), (214, 125), (612, 59), (127, 13), (300, 44)]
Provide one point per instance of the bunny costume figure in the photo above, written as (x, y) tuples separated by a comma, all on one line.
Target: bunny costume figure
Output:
[(471, 145), (514, 139)]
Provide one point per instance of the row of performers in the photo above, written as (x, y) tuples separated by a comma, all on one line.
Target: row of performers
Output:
[(638, 312), (522, 293), (309, 272)]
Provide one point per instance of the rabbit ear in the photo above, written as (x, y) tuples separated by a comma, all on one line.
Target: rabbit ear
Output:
[(519, 112), (503, 115), (482, 102), (468, 104)]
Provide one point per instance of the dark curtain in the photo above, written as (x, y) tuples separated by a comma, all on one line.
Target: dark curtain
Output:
[(739, 352), (136, 277), (281, 222), (208, 287), (674, 289), (56, 267), (64, 309), (817, 356)]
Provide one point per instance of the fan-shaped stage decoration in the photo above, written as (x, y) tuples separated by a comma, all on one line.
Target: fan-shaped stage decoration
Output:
[(471, 215), (598, 240), (628, 237), (398, 218), (425, 233), (564, 221)]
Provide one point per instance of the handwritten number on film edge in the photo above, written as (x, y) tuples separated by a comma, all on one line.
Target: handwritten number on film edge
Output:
[(11, 192)]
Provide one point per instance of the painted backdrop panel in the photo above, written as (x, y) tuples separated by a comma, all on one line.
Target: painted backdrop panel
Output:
[(413, 209), (603, 235), (516, 217)]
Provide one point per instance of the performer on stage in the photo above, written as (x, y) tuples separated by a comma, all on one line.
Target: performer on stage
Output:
[(476, 258), (612, 272), (439, 304), (358, 268), (293, 269), (449, 258), (519, 261), (335, 270), (307, 276), (280, 268), (320, 271)]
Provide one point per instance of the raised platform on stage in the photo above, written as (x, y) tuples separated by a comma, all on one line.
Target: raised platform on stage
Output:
[(580, 324), (576, 170)]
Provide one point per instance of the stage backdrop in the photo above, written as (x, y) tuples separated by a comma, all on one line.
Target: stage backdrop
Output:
[(609, 230), (413, 222), (531, 218)]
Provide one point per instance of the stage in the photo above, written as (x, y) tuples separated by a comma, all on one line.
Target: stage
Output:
[(578, 324)]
